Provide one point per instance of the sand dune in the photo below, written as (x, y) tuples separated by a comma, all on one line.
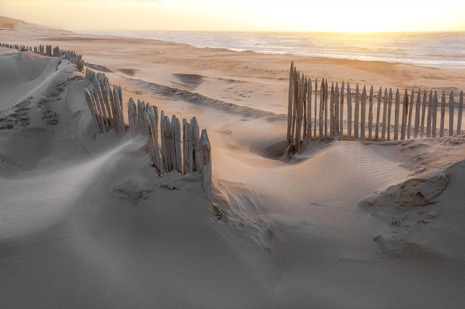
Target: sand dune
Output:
[(85, 222)]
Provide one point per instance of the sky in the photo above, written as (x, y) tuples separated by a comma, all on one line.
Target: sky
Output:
[(242, 15)]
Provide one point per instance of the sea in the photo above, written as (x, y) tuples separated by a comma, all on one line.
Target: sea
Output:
[(435, 49)]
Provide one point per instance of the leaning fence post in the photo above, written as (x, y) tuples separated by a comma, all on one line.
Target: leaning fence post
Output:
[(205, 150), (289, 106)]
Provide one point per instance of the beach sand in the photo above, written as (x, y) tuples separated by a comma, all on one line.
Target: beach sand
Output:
[(85, 222)]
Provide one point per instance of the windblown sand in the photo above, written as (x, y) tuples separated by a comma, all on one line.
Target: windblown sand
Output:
[(85, 223)]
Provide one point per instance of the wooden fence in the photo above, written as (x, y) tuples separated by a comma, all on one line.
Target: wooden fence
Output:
[(186, 151), (50, 51), (318, 112)]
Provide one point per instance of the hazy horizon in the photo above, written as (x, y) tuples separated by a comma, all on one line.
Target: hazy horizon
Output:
[(334, 16)]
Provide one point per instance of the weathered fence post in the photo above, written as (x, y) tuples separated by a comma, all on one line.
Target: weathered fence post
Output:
[(378, 113), (443, 114), (459, 116), (417, 114), (410, 111), (404, 115), (370, 115), (451, 113), (363, 113), (349, 113), (356, 113), (396, 116)]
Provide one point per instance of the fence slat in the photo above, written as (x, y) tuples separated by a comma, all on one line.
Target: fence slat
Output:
[(378, 113), (396, 116), (429, 116), (336, 110), (309, 111), (451, 113), (290, 103), (417, 115), (370, 115), (322, 104), (435, 113), (349, 113), (363, 113), (410, 112), (459, 116), (385, 104), (341, 109), (356, 112), (331, 112), (388, 127), (443, 114), (315, 109), (405, 108), (326, 108)]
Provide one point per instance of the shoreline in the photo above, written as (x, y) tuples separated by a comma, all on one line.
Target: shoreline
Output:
[(219, 41)]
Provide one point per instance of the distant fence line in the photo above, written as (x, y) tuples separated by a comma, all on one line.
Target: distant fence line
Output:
[(185, 151), (317, 112), (50, 51)]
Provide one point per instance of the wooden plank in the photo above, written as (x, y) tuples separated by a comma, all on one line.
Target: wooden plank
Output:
[(326, 108), (290, 103), (396, 116), (341, 116), (388, 127), (443, 114), (385, 104), (185, 145), (356, 113), (363, 113), (331, 112), (410, 112), (349, 113), (429, 116), (294, 104), (459, 116), (299, 114), (304, 108), (336, 110), (378, 113), (451, 113), (405, 108), (315, 109), (417, 115), (423, 112), (322, 106), (309, 111), (370, 115), (205, 149), (434, 115)]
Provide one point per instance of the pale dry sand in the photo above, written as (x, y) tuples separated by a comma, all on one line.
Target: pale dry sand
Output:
[(85, 222)]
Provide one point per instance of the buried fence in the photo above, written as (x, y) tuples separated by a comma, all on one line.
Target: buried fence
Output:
[(186, 151), (317, 112), (50, 51)]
